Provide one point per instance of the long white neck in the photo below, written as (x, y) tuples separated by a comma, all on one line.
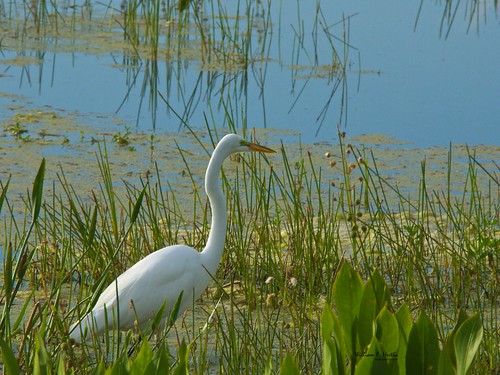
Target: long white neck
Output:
[(212, 252)]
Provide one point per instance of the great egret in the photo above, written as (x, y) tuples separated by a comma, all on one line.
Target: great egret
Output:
[(161, 277)]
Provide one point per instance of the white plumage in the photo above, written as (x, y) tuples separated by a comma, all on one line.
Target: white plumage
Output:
[(160, 277)]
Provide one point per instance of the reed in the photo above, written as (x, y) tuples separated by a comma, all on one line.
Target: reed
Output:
[(289, 230), (293, 220)]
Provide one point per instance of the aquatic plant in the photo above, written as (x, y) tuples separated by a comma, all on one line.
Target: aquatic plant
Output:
[(293, 233)]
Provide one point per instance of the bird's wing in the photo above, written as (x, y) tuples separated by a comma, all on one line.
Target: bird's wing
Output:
[(159, 277)]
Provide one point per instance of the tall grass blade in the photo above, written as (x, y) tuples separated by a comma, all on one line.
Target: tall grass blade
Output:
[(37, 193), (7, 274), (138, 205), (133, 217), (4, 193), (175, 310), (10, 364), (42, 364)]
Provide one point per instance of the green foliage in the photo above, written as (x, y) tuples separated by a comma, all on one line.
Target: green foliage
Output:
[(288, 367), (422, 353), (466, 341), (37, 191), (405, 324), (284, 226), (146, 362), (348, 311), (42, 363), (3, 194), (9, 360), (13, 275), (389, 343), (333, 356), (374, 298)]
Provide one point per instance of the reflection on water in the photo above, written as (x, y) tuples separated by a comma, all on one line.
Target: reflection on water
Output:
[(213, 70), (369, 67)]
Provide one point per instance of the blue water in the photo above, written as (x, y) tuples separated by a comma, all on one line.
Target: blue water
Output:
[(432, 90), (407, 82)]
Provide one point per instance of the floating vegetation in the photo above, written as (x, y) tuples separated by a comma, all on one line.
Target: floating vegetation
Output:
[(78, 207), (290, 229), (227, 44), (16, 130), (122, 139)]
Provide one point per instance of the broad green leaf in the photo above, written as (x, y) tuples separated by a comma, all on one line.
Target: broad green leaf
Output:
[(161, 360), (372, 360), (11, 366), (158, 319), (467, 340), (347, 292), (101, 368), (339, 342), (422, 355), (365, 359), (387, 331), (121, 366), (405, 323), (326, 322), (175, 310), (333, 360), (182, 364), (61, 366), (375, 296), (42, 364), (449, 344), (143, 358), (150, 369), (445, 366), (329, 357), (288, 367), (462, 317)]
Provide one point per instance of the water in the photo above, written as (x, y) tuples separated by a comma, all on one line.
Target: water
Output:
[(403, 81), (432, 90)]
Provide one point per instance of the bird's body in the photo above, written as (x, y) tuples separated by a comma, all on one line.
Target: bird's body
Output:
[(159, 279)]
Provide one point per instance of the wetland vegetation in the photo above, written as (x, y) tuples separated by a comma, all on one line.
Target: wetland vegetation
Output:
[(292, 222), (321, 238)]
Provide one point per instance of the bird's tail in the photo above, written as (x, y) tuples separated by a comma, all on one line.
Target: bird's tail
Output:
[(92, 323), (79, 330)]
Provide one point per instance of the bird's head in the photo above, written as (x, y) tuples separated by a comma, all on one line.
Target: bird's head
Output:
[(232, 143)]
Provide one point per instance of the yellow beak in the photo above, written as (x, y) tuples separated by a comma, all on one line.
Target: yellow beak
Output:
[(259, 148)]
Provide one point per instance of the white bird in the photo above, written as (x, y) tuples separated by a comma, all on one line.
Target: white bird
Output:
[(160, 278)]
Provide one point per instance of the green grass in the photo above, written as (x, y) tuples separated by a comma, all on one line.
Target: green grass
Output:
[(230, 45), (289, 230), (292, 220)]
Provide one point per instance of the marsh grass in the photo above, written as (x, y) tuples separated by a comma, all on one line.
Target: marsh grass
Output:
[(230, 44), (289, 229), (473, 12), (289, 226)]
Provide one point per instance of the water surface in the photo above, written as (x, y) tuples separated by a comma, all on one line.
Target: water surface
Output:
[(404, 79)]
